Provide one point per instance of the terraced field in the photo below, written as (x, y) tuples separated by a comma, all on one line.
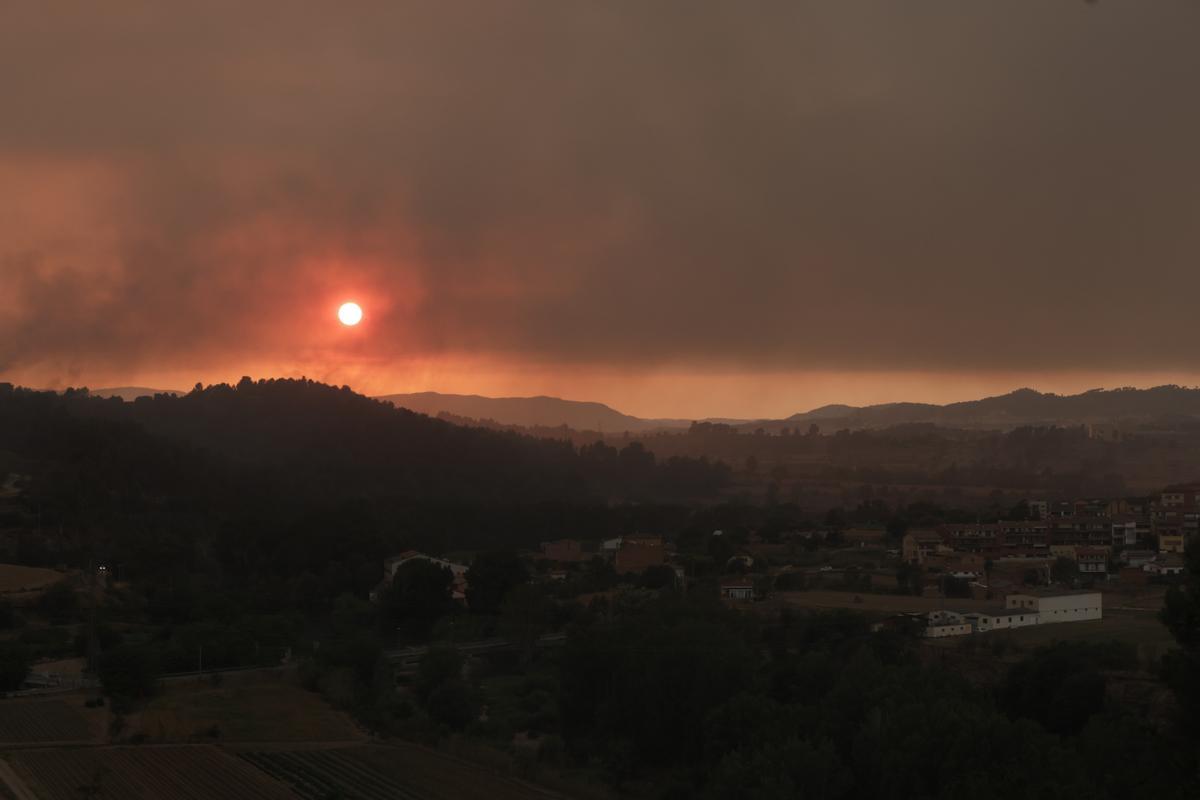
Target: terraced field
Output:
[(196, 772), (387, 773), (42, 721), (318, 774)]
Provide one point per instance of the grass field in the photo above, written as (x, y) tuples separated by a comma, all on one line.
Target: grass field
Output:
[(16, 578), (24, 722), (194, 772), (255, 712)]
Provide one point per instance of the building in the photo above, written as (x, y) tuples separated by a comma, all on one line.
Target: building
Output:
[(1058, 606), (1171, 538), (917, 547), (1138, 558), (737, 589), (1001, 619), (563, 551), (1124, 531), (1165, 565), (637, 554), (864, 537), (940, 624), (1092, 561), (1038, 509)]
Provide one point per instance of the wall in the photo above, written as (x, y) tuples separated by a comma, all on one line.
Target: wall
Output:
[(1071, 607)]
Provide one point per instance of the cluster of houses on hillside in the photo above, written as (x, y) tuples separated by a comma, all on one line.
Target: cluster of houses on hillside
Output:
[(1133, 541), (1130, 539)]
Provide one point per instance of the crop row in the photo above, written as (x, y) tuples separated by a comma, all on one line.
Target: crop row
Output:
[(317, 774), (144, 773), (28, 721)]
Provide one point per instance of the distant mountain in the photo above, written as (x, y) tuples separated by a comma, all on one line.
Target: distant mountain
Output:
[(1019, 408), (531, 412), (128, 393)]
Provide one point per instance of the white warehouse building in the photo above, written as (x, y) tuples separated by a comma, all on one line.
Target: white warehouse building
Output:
[(1062, 606), (1001, 619)]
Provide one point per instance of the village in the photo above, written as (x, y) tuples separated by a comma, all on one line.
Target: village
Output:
[(1054, 566)]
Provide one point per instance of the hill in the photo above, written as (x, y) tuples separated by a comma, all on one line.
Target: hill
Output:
[(1161, 404), (302, 440), (531, 412)]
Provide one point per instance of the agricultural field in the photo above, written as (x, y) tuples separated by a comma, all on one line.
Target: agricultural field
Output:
[(376, 772), (196, 772), (252, 712), (878, 603), (24, 722), (16, 578), (1142, 630)]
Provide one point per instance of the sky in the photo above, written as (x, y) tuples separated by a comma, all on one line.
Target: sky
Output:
[(678, 208)]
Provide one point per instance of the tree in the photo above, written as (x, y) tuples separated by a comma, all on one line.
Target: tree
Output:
[(658, 576), (420, 594), (129, 671), (491, 576), (1064, 570), (1181, 615), (453, 704), (524, 616), (15, 661), (897, 526), (440, 664), (59, 603)]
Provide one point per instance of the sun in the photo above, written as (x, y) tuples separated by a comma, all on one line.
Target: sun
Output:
[(350, 314)]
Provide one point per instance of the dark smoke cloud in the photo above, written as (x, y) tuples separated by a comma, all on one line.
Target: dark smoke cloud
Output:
[(777, 185)]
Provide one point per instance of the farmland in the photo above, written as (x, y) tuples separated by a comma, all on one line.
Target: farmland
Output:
[(254, 712), (384, 772), (195, 772), (16, 578), (44, 721)]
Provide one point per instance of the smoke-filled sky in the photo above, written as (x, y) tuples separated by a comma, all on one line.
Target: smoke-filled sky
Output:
[(680, 208)]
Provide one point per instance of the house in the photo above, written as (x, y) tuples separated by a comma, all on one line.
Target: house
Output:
[(1058, 606), (864, 537), (1092, 561), (940, 624), (737, 589), (1138, 558), (563, 551), (1001, 619), (458, 572), (1038, 509), (919, 546), (1171, 538), (637, 554), (1124, 531), (1165, 565)]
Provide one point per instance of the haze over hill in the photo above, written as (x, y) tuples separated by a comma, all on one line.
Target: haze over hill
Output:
[(1018, 408), (533, 412), (1015, 409), (1022, 407)]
